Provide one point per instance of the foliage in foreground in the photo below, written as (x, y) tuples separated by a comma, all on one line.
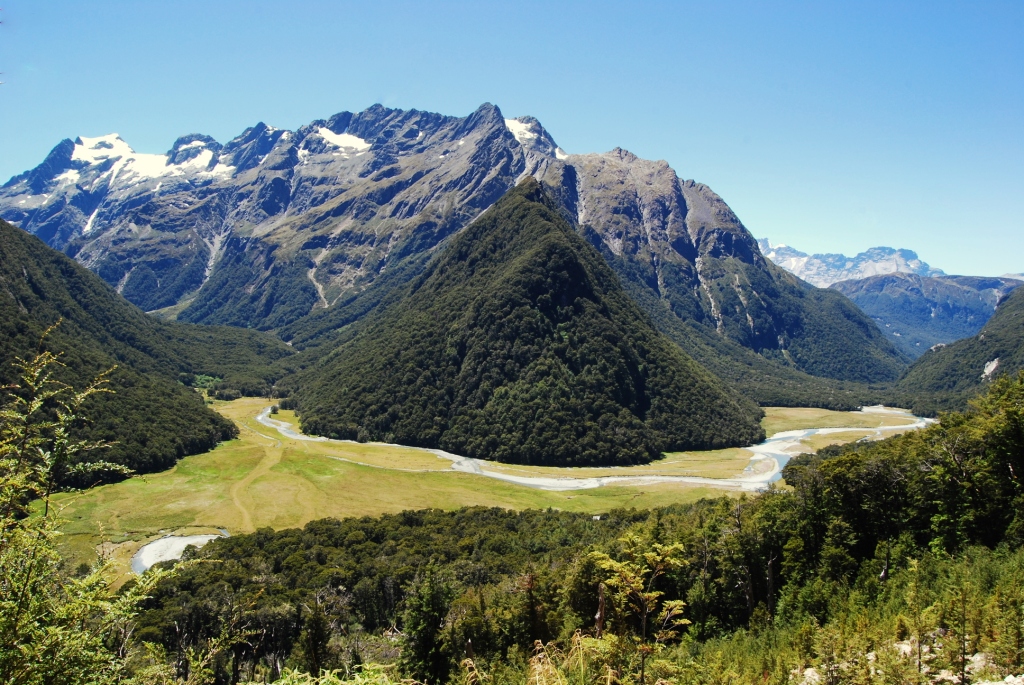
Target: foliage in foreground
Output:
[(895, 562), (55, 627)]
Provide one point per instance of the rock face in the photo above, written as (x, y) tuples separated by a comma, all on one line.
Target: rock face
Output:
[(919, 312), (305, 231), (677, 242), (518, 343), (823, 270), (947, 376)]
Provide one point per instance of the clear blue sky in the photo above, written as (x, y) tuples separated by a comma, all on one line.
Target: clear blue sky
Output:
[(828, 126)]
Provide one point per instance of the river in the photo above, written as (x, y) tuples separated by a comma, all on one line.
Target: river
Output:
[(779, 448)]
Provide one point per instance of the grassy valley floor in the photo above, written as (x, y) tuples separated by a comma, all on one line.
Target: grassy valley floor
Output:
[(266, 479)]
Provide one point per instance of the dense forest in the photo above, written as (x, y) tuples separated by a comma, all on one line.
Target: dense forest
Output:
[(151, 416), (518, 344), (875, 562)]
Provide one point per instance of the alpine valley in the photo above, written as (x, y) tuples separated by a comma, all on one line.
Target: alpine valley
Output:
[(451, 404), (320, 236)]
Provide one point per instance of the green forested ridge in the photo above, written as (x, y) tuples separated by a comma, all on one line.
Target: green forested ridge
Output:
[(151, 416), (916, 538), (518, 344), (946, 377)]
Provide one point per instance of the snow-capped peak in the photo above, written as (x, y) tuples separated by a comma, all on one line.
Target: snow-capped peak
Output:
[(520, 130), (823, 270), (532, 135), (95, 150)]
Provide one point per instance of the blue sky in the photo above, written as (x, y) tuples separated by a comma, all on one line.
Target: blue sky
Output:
[(828, 126)]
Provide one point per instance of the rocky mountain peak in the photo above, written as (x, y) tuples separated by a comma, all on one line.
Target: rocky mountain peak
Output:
[(534, 137), (249, 149), (57, 161), (624, 155), (193, 145)]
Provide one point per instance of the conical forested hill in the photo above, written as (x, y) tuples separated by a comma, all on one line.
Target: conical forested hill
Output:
[(518, 344), (151, 417)]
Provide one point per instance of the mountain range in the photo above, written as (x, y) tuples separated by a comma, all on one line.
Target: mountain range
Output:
[(454, 282), (913, 303), (303, 232), (823, 270), (920, 312)]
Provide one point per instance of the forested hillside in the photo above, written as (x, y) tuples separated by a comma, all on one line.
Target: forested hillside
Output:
[(874, 550), (947, 376), (151, 416), (518, 344)]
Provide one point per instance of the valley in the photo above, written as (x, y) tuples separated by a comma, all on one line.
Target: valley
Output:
[(422, 382), (266, 478)]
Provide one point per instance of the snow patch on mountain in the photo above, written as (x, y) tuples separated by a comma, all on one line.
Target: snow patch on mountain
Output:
[(343, 140), (131, 167), (100, 149), (532, 136), (823, 270), (520, 130)]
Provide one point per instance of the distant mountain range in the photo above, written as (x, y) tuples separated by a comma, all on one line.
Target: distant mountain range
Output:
[(920, 312), (913, 303), (304, 232), (823, 270)]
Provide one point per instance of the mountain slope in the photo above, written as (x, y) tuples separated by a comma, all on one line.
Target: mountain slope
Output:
[(919, 312), (946, 377), (823, 270), (518, 344), (305, 231), (680, 243), (153, 418)]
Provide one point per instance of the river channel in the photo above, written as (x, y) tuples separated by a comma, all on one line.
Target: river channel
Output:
[(765, 467), (778, 450)]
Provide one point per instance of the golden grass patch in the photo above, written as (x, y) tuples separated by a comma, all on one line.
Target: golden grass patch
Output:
[(779, 419)]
